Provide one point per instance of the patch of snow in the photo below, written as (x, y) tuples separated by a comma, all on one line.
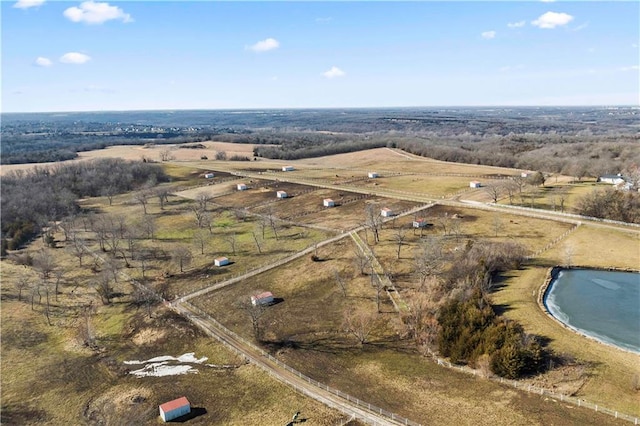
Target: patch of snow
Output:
[(159, 366)]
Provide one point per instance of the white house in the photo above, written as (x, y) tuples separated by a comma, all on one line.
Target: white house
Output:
[(287, 168), (174, 409), (420, 223), (386, 212), (474, 184), (262, 299), (221, 261), (242, 187), (612, 179), (328, 202), (281, 194), (208, 175), (373, 175)]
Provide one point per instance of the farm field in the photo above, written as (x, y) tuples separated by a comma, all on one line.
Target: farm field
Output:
[(316, 295), (93, 385), (386, 371)]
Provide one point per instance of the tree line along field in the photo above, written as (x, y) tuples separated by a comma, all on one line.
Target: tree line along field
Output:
[(176, 238)]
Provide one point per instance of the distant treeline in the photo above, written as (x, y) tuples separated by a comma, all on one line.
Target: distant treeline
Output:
[(296, 150), (32, 199)]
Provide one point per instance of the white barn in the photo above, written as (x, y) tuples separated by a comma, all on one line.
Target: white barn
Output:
[(612, 179), (281, 194), (221, 261), (262, 299), (287, 168), (174, 409), (386, 212), (373, 175), (474, 184), (242, 187), (328, 202)]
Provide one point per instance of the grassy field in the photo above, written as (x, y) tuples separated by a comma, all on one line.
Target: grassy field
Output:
[(46, 367), (305, 329), (612, 371), (307, 326)]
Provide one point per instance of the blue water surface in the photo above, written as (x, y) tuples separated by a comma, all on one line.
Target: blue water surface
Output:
[(604, 305)]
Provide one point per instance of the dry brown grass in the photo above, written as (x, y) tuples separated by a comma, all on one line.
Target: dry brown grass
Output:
[(612, 370)]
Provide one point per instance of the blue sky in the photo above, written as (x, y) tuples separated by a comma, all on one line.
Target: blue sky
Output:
[(96, 56)]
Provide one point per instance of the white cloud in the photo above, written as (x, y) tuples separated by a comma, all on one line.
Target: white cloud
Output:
[(91, 12), (488, 35), (74, 58), (552, 19), (265, 45), (631, 68), (43, 62), (26, 4), (334, 72), (518, 24)]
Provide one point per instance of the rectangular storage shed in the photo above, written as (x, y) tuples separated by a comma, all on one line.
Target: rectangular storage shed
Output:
[(242, 187), (328, 202), (474, 184), (281, 194), (264, 298), (373, 175), (287, 168), (386, 212), (221, 261), (209, 175), (174, 409), (420, 223)]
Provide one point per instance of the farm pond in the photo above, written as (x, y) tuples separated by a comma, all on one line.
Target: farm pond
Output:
[(603, 305)]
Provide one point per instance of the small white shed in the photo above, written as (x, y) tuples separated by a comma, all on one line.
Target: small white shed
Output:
[(328, 202), (221, 261), (242, 187), (174, 409), (525, 174), (386, 212), (209, 175), (474, 184), (373, 175), (420, 223), (287, 168), (262, 299), (281, 194)]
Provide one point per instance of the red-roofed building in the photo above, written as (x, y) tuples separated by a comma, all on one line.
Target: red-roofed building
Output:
[(174, 409), (264, 298)]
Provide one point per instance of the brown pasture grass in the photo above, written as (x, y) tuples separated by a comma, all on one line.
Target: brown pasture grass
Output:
[(46, 380), (304, 330), (611, 370)]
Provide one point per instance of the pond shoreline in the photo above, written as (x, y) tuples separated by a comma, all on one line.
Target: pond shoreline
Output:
[(545, 288)]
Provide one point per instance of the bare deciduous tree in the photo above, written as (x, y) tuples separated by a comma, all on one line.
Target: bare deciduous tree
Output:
[(255, 313), (22, 282), (429, 259), (232, 240), (342, 282), (181, 256), (494, 190), (360, 322), (166, 155), (361, 260), (399, 236), (142, 197), (200, 239), (373, 220)]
